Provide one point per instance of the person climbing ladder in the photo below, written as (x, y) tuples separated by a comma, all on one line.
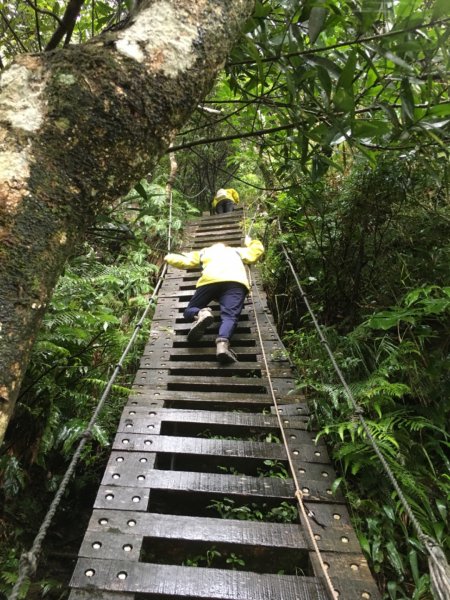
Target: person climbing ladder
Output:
[(224, 279), (224, 201)]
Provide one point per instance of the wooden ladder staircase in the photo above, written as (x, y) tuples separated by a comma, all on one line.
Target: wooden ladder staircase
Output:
[(190, 447)]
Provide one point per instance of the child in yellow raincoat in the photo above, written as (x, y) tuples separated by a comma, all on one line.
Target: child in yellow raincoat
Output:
[(224, 279), (224, 201)]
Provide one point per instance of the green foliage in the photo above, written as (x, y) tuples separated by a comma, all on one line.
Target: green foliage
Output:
[(227, 508), (371, 75), (273, 468), (356, 169), (371, 248), (203, 560), (23, 29), (214, 558), (93, 313)]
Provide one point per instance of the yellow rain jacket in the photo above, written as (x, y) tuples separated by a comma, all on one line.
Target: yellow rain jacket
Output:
[(219, 262), (225, 194)]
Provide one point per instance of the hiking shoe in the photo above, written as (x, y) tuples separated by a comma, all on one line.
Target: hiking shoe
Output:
[(224, 353), (204, 320)]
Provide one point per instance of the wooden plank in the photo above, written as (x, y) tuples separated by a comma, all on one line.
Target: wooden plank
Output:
[(148, 397), (167, 329), (175, 313), (308, 471), (168, 338), (208, 361), (210, 417), (115, 524), (188, 582), (274, 353), (230, 374), (292, 409), (186, 445), (101, 543), (145, 378), (207, 239), (197, 366), (204, 483), (99, 595), (122, 498), (180, 355), (126, 495), (120, 461), (186, 528), (181, 303), (182, 328), (349, 573), (145, 423)]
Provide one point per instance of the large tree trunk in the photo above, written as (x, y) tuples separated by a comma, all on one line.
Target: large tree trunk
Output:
[(78, 127)]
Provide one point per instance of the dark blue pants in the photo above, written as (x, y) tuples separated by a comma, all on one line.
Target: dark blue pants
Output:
[(224, 206), (231, 297)]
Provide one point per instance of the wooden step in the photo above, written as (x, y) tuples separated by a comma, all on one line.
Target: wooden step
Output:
[(197, 441), (188, 582)]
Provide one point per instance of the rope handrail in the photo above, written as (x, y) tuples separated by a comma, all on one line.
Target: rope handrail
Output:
[(438, 565), (298, 492), (28, 560)]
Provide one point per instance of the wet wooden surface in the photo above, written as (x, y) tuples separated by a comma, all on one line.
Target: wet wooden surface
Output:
[(198, 469)]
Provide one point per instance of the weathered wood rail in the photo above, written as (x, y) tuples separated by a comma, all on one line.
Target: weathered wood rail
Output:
[(193, 446)]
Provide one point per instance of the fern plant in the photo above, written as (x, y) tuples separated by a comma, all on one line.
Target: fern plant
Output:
[(93, 313)]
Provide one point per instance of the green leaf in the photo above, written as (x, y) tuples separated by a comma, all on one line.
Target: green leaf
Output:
[(442, 508), (440, 9), (336, 483), (440, 110), (316, 22), (262, 10), (387, 319), (391, 114), (369, 12), (348, 72), (407, 99), (343, 97), (394, 557), (389, 511), (364, 543), (333, 69), (369, 129), (343, 100), (325, 80), (414, 565)]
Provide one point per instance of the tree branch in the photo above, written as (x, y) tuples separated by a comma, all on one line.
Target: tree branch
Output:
[(66, 24), (15, 36), (370, 38), (233, 136), (42, 11)]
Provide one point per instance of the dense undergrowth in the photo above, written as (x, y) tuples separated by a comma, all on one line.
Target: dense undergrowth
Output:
[(93, 313), (371, 249)]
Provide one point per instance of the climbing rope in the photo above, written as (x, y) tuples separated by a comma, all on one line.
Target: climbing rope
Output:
[(29, 560), (437, 562), (298, 492)]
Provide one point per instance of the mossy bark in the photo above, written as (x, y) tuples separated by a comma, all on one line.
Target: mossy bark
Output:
[(78, 127)]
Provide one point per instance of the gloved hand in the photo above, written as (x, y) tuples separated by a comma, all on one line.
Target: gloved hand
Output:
[(247, 240)]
